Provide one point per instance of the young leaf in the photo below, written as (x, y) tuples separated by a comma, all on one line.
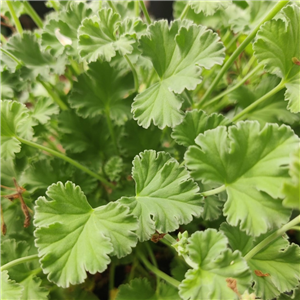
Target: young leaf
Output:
[(140, 288), (43, 109), (209, 8), (101, 90), (165, 195), (113, 168), (67, 245), (15, 121), (177, 53), (194, 123), (98, 39), (275, 268), (271, 49), (291, 188), (10, 290), (249, 161), (214, 263)]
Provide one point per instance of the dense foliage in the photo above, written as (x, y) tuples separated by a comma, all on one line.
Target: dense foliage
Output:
[(148, 160)]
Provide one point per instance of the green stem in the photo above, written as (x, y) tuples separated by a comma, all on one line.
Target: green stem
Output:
[(18, 261), (67, 159), (185, 11), (237, 85), (248, 65), (240, 49), (170, 239), (111, 279), (74, 67), (133, 267), (145, 12), (214, 191), (15, 18), (135, 76), (264, 243), (12, 56), (296, 228), (53, 95), (158, 272), (111, 130), (54, 5), (32, 13), (136, 8), (3, 39), (112, 6), (245, 111), (225, 37), (154, 262)]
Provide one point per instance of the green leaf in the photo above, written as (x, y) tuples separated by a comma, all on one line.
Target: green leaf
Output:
[(66, 25), (165, 194), (70, 246), (214, 263), (10, 290), (33, 289), (279, 262), (43, 109), (113, 168), (249, 161), (291, 188), (15, 121), (209, 8), (27, 50), (101, 90), (140, 288), (11, 84), (98, 38), (194, 123), (177, 53), (271, 50)]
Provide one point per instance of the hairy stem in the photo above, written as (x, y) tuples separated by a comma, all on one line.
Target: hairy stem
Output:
[(229, 90), (32, 13), (136, 8), (134, 73), (185, 11), (12, 56), (277, 7), (15, 18), (19, 261), (245, 111), (53, 95), (214, 191), (67, 159), (158, 272), (145, 12), (272, 237)]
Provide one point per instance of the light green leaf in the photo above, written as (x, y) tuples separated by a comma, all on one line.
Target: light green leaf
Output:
[(140, 288), (10, 290), (209, 7), (15, 121), (73, 238), (98, 37), (214, 263), (177, 53), (67, 24), (27, 50), (271, 49), (165, 194), (249, 161), (33, 290), (101, 90), (279, 262), (194, 123), (43, 109), (291, 188), (113, 168)]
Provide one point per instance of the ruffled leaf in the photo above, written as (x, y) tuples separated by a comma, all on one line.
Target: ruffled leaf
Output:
[(209, 8), (165, 194), (10, 290), (214, 263), (249, 161), (69, 246), (177, 53)]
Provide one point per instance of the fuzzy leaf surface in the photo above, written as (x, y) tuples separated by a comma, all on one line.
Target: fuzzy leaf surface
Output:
[(249, 161), (10, 290), (15, 121), (102, 90), (165, 194), (279, 261), (178, 53), (73, 238), (277, 48), (214, 263)]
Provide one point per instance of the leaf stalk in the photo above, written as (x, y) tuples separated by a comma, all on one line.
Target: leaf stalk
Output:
[(20, 63), (277, 7), (67, 159), (15, 18), (185, 11), (32, 13), (272, 237), (214, 191), (145, 12), (19, 261), (134, 73)]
